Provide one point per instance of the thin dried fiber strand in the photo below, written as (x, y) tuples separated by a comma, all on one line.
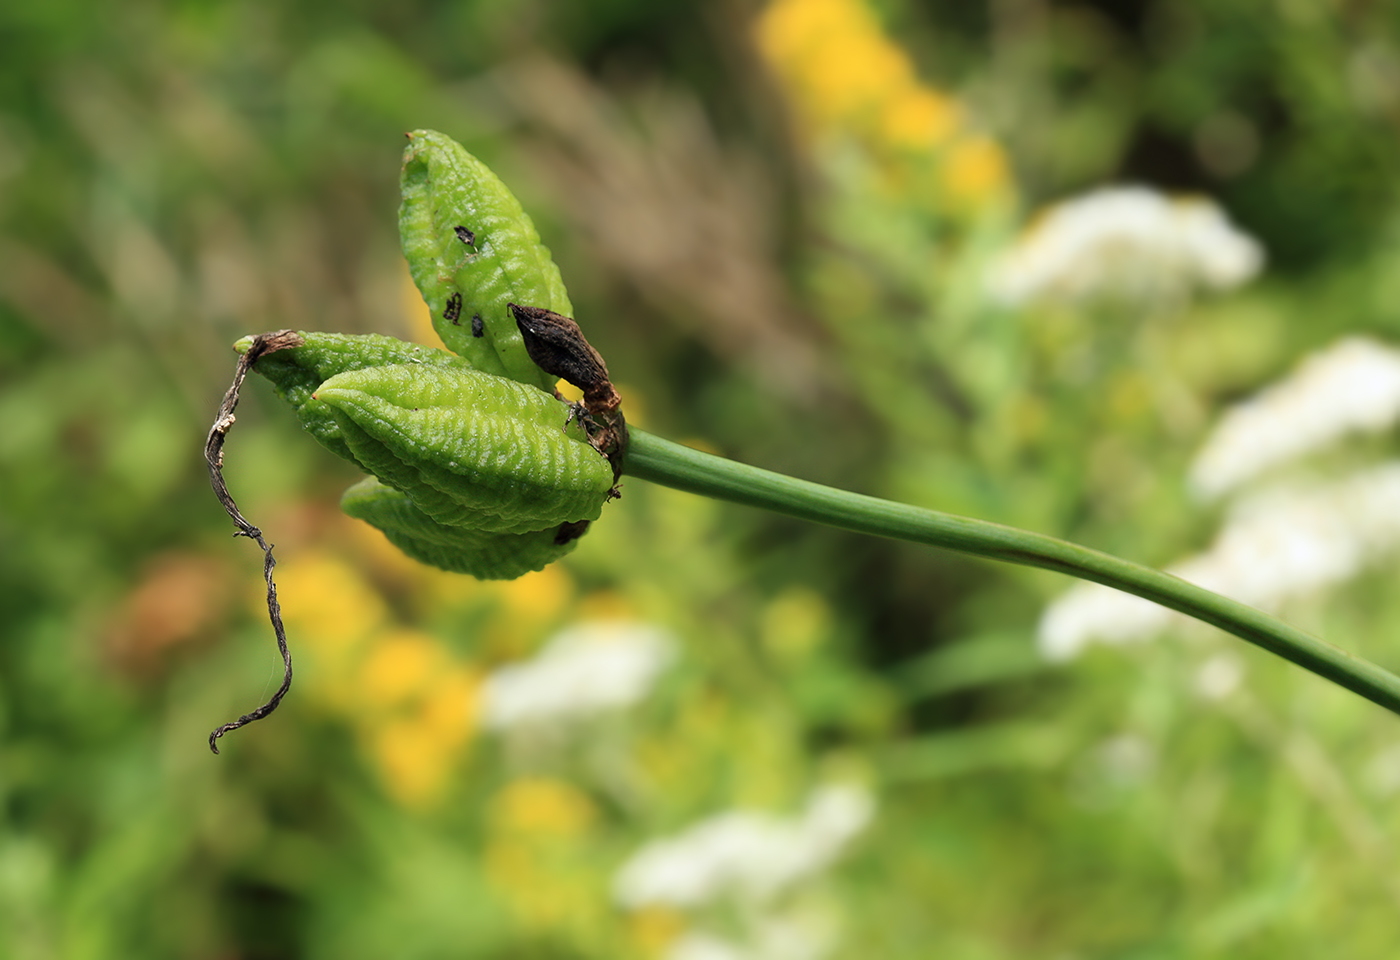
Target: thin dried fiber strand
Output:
[(214, 456)]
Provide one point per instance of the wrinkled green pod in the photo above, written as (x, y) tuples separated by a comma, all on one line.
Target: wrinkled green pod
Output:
[(445, 187), (297, 372), (486, 556), (470, 449)]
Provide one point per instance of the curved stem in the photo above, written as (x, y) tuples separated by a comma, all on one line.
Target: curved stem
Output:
[(661, 461)]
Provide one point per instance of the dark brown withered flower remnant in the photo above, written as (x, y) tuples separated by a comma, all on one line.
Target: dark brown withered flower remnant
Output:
[(214, 456), (559, 348)]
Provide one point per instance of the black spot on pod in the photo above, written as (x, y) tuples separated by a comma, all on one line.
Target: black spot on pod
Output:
[(453, 310), (466, 236), (478, 328), (568, 532)]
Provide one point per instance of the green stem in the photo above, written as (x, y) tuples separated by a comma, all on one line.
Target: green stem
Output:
[(670, 464)]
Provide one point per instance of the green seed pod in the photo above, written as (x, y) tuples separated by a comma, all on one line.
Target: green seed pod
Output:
[(472, 250), (297, 372), (486, 556), (470, 449)]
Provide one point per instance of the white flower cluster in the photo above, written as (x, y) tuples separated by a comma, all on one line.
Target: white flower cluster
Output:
[(1382, 773), (1219, 676), (1276, 545), (585, 670), (1351, 387), (1281, 541), (799, 938), (1127, 243), (744, 855)]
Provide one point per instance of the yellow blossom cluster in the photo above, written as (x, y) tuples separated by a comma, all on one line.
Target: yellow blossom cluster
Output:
[(361, 616), (539, 852), (410, 697), (845, 77), (410, 700)]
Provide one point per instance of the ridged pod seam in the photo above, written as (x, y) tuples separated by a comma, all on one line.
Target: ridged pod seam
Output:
[(486, 556), (469, 448), (296, 372)]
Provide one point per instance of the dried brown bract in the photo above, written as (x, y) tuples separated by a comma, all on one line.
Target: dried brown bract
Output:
[(559, 348)]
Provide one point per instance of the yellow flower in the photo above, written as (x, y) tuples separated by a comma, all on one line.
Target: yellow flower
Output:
[(833, 57), (790, 31), (539, 807), (510, 867), (450, 705), (399, 667), (328, 600), (330, 611), (975, 172), (654, 929), (412, 763), (412, 703), (417, 709), (431, 589), (795, 623), (604, 605), (537, 853), (844, 76), (528, 604), (853, 78), (919, 119)]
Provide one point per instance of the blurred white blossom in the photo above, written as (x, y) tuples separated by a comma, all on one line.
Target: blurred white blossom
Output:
[(1129, 243), (751, 856), (698, 945), (773, 938), (1382, 773), (1122, 761), (587, 669), (1219, 676), (1276, 545), (1088, 612), (1351, 387), (1110, 771)]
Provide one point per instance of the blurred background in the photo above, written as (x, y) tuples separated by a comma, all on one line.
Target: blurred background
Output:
[(1123, 272)]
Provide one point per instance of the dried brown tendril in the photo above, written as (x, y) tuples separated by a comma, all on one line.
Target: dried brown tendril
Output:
[(214, 456)]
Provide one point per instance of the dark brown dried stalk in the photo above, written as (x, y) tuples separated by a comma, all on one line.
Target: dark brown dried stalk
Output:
[(214, 456)]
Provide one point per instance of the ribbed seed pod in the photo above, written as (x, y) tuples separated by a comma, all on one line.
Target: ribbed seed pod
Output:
[(479, 474), (486, 556), (469, 449), (472, 250), (297, 372)]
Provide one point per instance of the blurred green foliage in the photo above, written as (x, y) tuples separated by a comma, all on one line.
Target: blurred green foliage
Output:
[(767, 276)]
